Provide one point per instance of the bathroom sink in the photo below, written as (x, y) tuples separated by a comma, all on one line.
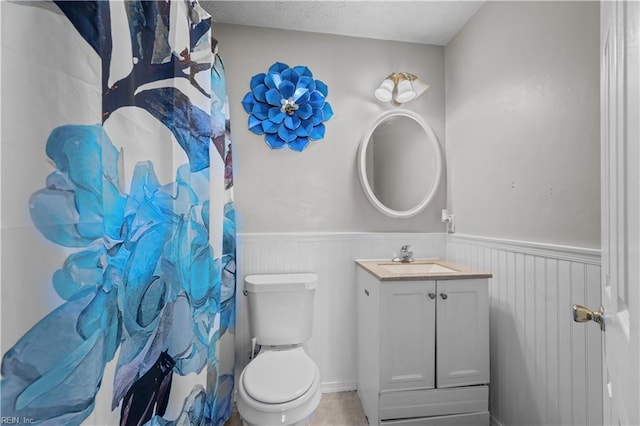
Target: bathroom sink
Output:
[(416, 268), (419, 270)]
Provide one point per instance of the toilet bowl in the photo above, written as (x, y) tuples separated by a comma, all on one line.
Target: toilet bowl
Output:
[(281, 385)]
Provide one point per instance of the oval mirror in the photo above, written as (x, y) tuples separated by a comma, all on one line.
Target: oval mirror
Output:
[(399, 164)]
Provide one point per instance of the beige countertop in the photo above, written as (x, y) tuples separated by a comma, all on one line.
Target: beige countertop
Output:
[(378, 270)]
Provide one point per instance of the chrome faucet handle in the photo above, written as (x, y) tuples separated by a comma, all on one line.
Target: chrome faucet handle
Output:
[(406, 255)]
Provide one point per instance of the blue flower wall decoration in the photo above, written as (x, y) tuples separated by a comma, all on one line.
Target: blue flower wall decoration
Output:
[(287, 106)]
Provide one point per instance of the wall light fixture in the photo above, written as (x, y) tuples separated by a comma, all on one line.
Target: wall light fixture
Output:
[(399, 88)]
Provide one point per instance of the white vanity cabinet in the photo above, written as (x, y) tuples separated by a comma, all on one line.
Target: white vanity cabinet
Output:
[(423, 349)]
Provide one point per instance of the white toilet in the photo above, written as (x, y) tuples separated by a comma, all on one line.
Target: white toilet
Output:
[(281, 385)]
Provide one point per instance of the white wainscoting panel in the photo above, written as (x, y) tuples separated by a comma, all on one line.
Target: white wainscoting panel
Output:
[(545, 369), (332, 256)]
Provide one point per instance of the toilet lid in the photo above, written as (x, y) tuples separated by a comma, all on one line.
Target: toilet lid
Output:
[(277, 377)]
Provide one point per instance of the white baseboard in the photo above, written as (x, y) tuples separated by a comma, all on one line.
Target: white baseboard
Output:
[(330, 387)]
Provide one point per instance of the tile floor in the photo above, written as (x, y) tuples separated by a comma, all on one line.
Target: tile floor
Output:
[(335, 409)]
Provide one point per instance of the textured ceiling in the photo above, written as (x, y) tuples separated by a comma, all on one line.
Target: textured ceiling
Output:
[(427, 22)]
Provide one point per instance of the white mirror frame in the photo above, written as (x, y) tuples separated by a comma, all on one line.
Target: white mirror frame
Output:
[(362, 166)]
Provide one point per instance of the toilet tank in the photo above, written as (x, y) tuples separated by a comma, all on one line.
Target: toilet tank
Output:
[(280, 307)]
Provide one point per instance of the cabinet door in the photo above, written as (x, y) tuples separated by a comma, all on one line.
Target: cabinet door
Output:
[(407, 332), (462, 332)]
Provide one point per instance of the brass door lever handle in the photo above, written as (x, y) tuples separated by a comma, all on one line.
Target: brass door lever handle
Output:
[(582, 314)]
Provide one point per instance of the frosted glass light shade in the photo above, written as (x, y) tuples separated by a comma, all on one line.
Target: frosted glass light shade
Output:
[(384, 93), (419, 87), (405, 92)]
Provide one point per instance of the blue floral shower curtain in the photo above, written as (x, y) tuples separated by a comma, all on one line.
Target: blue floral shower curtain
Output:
[(138, 202)]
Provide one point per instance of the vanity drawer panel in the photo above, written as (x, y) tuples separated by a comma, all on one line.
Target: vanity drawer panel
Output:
[(433, 402), (470, 419)]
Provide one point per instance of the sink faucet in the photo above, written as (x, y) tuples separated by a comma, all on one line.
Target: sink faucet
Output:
[(406, 255)]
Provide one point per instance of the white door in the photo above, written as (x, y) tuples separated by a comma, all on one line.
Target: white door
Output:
[(620, 172)]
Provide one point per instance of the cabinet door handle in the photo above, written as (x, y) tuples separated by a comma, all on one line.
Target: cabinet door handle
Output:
[(432, 296), (366, 291), (444, 296)]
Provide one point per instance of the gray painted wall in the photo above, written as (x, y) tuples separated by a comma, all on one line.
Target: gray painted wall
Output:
[(318, 189), (522, 123)]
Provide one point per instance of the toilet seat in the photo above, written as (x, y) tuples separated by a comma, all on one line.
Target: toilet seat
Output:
[(293, 412), (280, 376)]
